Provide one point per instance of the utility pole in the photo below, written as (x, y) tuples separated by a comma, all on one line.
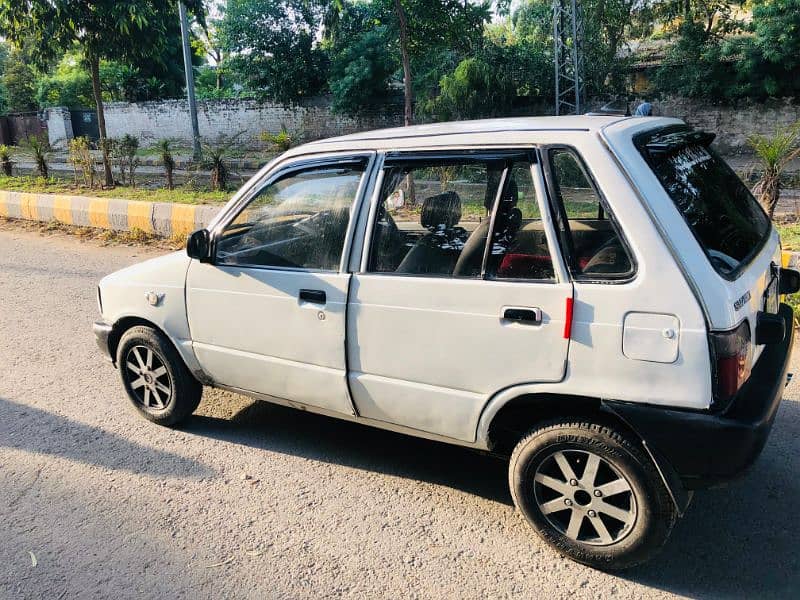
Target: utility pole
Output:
[(568, 56), (187, 66)]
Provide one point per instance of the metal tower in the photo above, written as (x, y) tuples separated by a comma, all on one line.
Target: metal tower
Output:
[(568, 57)]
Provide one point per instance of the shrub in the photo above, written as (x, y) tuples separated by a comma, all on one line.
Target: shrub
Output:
[(81, 159), (123, 152), (6, 164), (280, 141)]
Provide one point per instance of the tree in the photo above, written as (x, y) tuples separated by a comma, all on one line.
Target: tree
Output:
[(272, 44), (361, 73), (19, 82), (99, 29), (402, 28), (475, 89)]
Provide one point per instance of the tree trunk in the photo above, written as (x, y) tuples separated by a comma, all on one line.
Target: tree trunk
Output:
[(94, 68), (409, 100), (770, 188)]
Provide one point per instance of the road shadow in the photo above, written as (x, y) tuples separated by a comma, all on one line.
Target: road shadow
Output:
[(289, 431), (737, 541), (24, 427), (741, 540)]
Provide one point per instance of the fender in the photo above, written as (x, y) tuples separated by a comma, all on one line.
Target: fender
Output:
[(547, 395)]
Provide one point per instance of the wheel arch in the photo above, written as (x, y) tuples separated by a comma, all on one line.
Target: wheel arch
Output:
[(183, 347), (503, 425), (505, 421)]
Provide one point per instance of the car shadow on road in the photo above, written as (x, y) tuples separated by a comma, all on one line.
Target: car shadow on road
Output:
[(23, 427), (736, 541), (289, 431), (741, 540)]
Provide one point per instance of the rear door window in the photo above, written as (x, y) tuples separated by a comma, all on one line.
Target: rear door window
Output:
[(726, 220), (592, 243)]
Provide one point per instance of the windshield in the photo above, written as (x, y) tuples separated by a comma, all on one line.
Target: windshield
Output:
[(721, 212)]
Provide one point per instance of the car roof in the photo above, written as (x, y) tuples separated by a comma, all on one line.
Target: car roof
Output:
[(463, 132)]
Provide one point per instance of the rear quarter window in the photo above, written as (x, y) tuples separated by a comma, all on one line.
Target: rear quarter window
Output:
[(723, 215)]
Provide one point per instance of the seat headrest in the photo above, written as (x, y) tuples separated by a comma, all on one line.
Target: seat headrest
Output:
[(442, 210)]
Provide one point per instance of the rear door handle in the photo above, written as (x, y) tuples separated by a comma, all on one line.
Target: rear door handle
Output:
[(315, 296), (522, 314)]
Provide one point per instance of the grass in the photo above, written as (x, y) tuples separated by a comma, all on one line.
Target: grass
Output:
[(182, 194), (105, 237), (790, 235)]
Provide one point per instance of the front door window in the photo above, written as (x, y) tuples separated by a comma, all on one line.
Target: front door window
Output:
[(299, 221)]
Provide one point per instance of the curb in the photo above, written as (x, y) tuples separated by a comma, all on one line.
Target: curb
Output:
[(161, 218)]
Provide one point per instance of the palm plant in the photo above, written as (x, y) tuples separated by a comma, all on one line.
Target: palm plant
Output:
[(39, 146), (215, 159), (164, 147), (774, 153)]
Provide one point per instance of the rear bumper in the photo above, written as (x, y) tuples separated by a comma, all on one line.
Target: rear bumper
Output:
[(102, 332), (705, 449)]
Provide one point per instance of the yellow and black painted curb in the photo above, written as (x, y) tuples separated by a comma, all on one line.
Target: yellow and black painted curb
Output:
[(161, 218)]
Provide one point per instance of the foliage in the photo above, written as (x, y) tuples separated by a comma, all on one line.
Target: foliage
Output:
[(6, 164), (475, 89), (164, 147), (124, 153), (19, 83), (81, 159), (361, 73), (281, 141), (100, 30), (214, 158), (271, 43), (185, 194), (774, 154), (39, 146)]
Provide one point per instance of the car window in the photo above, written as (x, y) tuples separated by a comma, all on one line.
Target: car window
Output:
[(519, 243), (723, 215), (592, 242), (297, 221), (431, 215)]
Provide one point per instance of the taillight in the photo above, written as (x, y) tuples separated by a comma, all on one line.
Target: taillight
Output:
[(732, 356)]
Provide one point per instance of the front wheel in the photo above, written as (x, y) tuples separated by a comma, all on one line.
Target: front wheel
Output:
[(158, 383), (591, 493)]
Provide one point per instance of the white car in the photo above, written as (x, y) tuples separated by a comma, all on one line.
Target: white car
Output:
[(595, 297)]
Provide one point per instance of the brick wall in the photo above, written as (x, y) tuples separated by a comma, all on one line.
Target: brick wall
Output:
[(151, 121), (732, 124)]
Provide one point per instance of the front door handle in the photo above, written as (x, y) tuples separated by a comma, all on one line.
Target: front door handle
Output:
[(522, 314), (315, 296)]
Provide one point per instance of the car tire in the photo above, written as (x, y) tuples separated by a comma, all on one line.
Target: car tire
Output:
[(158, 384), (592, 493)]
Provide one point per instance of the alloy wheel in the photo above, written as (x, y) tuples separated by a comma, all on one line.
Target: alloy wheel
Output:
[(585, 497), (148, 378)]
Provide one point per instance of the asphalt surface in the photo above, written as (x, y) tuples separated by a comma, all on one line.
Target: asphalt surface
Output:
[(250, 500)]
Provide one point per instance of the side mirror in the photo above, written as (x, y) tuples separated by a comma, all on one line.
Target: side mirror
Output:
[(199, 245), (789, 282)]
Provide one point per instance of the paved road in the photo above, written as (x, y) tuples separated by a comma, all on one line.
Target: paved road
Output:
[(254, 501)]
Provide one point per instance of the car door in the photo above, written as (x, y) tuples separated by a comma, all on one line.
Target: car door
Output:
[(438, 319), (267, 313)]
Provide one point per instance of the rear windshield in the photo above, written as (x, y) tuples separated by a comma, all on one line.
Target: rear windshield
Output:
[(721, 212)]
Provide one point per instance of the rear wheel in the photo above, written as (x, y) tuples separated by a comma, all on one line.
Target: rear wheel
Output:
[(591, 493), (157, 382)]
